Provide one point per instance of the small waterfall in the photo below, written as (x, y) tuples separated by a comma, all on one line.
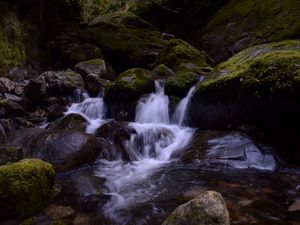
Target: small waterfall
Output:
[(154, 144), (93, 109), (179, 116), (154, 109)]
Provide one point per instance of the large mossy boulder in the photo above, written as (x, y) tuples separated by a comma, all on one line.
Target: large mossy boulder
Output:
[(26, 187), (126, 40), (209, 208), (64, 149), (259, 86), (242, 24), (187, 62), (129, 86)]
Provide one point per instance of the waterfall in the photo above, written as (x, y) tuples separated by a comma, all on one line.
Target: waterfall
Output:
[(92, 109), (179, 116), (154, 109), (154, 144)]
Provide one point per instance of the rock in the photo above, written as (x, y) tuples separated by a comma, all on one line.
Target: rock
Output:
[(162, 71), (36, 89), (187, 62), (94, 84), (70, 122), (17, 74), (62, 82), (295, 206), (127, 40), (94, 66), (83, 192), (10, 108), (129, 86), (115, 133), (6, 85), (13, 97), (259, 86), (58, 211), (42, 220), (2, 133), (249, 23), (9, 154), (26, 187), (209, 208), (229, 150), (65, 150), (72, 51)]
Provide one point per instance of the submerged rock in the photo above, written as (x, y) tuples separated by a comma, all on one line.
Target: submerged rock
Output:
[(229, 150), (209, 208), (26, 187), (64, 149)]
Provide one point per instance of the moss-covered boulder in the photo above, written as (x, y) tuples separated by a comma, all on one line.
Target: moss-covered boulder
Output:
[(71, 121), (242, 24), (259, 86), (130, 85), (126, 40), (26, 187), (187, 62), (62, 82)]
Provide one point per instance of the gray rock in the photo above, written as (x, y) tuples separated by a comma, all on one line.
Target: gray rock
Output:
[(209, 208)]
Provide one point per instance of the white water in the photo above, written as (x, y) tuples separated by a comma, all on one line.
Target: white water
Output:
[(179, 116), (92, 109), (155, 144), (154, 109)]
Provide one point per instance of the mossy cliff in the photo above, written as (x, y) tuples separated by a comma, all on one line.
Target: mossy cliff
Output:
[(242, 24), (26, 187)]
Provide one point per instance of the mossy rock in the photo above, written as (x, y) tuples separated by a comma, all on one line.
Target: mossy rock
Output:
[(187, 62), (130, 85), (12, 48), (26, 187), (70, 122), (249, 23), (259, 86), (126, 40), (10, 154)]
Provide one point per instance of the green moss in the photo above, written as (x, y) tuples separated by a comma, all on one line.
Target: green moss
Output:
[(4, 102), (126, 39), (12, 49), (27, 222), (249, 23), (262, 72), (27, 185), (130, 85), (57, 222)]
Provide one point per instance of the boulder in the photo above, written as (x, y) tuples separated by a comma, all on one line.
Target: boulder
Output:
[(231, 150), (187, 62), (94, 66), (126, 40), (258, 86), (129, 86), (209, 208), (94, 84), (62, 82), (26, 187), (9, 154), (64, 149), (36, 89), (70, 122), (249, 23), (114, 136), (10, 108)]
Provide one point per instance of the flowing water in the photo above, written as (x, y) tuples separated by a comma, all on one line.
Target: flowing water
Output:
[(146, 189)]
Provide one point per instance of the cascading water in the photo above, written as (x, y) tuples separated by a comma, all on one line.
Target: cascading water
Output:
[(93, 109), (179, 116), (154, 145)]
